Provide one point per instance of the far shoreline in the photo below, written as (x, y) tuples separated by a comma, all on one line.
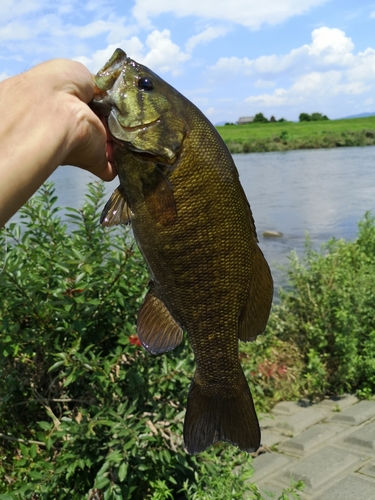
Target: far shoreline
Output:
[(287, 136)]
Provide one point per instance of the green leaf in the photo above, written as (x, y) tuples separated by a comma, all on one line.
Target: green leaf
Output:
[(45, 425), (88, 268), (123, 470), (101, 482), (56, 365), (35, 475)]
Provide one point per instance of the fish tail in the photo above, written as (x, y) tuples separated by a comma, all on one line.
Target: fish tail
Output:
[(221, 418)]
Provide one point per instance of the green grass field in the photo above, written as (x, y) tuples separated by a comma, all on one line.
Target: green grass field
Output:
[(258, 137)]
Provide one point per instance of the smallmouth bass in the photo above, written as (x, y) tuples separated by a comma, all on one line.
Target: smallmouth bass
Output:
[(181, 192)]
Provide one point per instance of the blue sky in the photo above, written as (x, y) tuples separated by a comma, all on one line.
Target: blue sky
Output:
[(231, 58)]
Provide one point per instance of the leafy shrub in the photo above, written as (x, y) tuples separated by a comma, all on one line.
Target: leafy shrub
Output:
[(85, 412), (314, 117), (260, 118), (273, 368), (329, 314), (304, 117)]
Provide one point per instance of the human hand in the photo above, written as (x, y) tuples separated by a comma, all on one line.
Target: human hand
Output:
[(46, 122), (88, 143)]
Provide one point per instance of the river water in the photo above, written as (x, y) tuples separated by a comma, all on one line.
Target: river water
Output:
[(323, 192)]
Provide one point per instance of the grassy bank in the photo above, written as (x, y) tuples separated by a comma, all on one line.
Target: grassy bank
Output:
[(284, 136)]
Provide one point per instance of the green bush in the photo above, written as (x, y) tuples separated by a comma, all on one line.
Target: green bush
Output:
[(314, 117), (260, 118), (273, 368), (85, 412), (329, 314)]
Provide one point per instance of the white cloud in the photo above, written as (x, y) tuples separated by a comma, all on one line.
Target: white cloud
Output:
[(308, 88), (16, 31), (278, 98), (205, 36), (66, 28), (263, 84), (372, 15), (316, 83), (320, 73), (113, 28), (10, 9), (133, 48), (65, 7), (96, 28), (53, 26), (164, 55), (329, 46), (363, 66), (4, 76), (97, 5), (158, 52), (325, 69), (22, 29), (210, 112), (250, 13)]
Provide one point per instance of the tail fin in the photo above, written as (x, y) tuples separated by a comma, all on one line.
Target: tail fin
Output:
[(221, 418)]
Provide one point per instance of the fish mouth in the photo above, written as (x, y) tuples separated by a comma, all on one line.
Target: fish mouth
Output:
[(141, 126), (121, 132)]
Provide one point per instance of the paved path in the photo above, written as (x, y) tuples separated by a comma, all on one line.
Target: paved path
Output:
[(330, 446)]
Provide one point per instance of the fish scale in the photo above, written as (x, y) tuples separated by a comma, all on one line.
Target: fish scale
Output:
[(181, 192)]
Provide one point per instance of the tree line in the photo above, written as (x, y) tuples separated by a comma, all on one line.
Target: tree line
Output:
[(303, 117)]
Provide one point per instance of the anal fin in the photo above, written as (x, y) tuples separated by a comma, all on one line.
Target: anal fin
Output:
[(254, 316), (157, 329), (116, 210)]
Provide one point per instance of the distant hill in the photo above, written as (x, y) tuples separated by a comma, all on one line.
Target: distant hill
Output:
[(362, 115)]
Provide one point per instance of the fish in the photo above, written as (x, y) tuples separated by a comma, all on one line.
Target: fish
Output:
[(180, 190)]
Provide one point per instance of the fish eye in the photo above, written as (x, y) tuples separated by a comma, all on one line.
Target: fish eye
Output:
[(146, 84)]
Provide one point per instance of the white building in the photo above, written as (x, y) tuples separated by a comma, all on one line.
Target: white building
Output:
[(245, 119)]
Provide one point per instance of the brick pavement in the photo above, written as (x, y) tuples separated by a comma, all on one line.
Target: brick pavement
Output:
[(330, 446)]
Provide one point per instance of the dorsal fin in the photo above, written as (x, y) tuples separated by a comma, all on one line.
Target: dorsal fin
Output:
[(116, 210), (157, 330)]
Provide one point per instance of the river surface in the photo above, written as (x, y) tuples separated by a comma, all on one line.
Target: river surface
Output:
[(323, 192)]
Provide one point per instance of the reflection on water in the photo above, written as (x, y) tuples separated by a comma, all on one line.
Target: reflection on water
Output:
[(324, 192)]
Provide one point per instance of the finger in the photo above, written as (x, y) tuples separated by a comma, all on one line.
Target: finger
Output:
[(109, 144)]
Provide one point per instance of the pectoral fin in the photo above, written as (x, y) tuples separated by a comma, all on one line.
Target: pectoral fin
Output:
[(159, 198), (157, 330), (116, 210), (254, 316)]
